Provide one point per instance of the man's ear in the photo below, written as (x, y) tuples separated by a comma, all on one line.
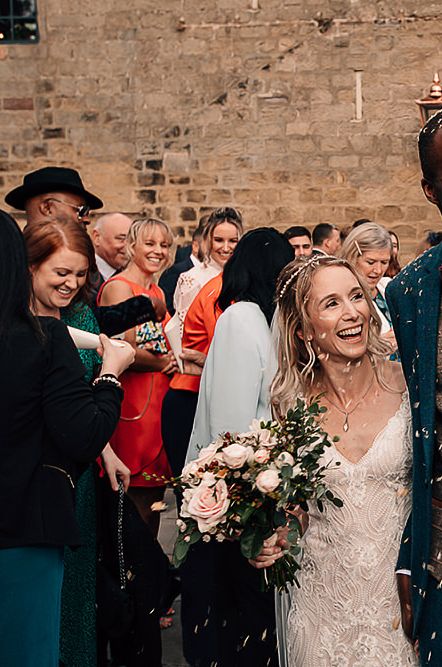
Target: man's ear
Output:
[(428, 189), (326, 245), (45, 207)]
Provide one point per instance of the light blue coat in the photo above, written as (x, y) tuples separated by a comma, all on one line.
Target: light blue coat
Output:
[(236, 378)]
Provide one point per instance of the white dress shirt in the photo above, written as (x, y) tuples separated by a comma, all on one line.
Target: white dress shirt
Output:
[(104, 268)]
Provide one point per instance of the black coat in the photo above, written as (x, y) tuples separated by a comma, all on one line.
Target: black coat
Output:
[(51, 420)]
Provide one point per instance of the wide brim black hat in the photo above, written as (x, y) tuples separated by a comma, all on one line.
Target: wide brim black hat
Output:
[(50, 179)]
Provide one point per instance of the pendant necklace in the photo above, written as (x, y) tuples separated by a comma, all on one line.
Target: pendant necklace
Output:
[(347, 413)]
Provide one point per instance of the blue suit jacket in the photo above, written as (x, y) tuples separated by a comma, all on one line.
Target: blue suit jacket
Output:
[(414, 301)]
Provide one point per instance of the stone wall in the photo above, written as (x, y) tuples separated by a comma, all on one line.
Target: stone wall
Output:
[(177, 106)]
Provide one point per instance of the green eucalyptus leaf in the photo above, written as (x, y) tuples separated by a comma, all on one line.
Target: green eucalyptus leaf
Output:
[(251, 542)]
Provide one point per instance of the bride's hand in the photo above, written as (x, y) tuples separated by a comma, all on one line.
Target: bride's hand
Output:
[(270, 553), (302, 517)]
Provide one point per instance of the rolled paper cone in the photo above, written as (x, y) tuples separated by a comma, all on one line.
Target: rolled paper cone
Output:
[(173, 333), (84, 340)]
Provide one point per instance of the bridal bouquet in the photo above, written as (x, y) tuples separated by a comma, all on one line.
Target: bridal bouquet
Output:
[(242, 487)]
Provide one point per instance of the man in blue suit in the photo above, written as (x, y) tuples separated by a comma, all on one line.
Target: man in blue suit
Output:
[(414, 299)]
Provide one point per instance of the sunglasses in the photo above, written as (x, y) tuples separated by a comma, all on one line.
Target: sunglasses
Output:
[(82, 211)]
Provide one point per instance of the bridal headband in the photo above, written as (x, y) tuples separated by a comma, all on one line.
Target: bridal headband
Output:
[(311, 261)]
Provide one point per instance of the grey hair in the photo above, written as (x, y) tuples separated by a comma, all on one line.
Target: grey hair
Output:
[(366, 237)]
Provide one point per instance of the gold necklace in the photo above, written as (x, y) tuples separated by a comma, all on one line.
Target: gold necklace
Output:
[(347, 413)]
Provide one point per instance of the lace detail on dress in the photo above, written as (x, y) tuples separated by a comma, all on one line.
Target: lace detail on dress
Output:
[(346, 613), (188, 286)]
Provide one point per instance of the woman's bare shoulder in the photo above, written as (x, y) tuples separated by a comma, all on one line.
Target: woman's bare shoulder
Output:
[(394, 376), (114, 291)]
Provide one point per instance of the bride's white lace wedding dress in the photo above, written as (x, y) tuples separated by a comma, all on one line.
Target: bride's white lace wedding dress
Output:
[(346, 613)]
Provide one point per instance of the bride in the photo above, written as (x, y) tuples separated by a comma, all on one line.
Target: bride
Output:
[(346, 612)]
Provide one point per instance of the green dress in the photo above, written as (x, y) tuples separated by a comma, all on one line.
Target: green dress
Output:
[(78, 641)]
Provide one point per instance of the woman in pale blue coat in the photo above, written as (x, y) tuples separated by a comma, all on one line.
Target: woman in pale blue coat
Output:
[(235, 621)]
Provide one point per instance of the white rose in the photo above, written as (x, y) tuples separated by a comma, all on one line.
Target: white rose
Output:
[(208, 454), (285, 458), (207, 504), (264, 436), (190, 472), (208, 478), (235, 455), (267, 480), (261, 455)]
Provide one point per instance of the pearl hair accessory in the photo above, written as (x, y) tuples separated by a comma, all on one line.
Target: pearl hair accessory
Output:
[(308, 262), (358, 248)]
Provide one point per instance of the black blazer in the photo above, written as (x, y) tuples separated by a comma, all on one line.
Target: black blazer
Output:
[(169, 280), (50, 419), (122, 316)]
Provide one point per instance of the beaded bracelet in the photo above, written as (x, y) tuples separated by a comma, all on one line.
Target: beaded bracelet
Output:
[(107, 377)]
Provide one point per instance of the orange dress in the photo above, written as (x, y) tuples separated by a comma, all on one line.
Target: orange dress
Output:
[(137, 439)]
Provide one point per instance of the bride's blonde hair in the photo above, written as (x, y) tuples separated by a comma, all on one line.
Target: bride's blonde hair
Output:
[(297, 361)]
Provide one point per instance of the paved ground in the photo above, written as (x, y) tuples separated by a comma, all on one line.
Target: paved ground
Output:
[(172, 647)]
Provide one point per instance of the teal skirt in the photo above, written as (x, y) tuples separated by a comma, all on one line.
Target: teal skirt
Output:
[(30, 586)]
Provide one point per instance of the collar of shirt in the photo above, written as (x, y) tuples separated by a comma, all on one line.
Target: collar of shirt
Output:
[(195, 261), (104, 268)]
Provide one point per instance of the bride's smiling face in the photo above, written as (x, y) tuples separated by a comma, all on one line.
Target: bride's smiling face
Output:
[(339, 315)]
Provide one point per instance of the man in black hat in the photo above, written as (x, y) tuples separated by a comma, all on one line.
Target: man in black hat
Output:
[(58, 193), (53, 193)]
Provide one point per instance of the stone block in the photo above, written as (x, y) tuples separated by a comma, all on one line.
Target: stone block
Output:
[(176, 162), (310, 195), (187, 213), (147, 196), (151, 178), (196, 196), (54, 133), (18, 103), (344, 161)]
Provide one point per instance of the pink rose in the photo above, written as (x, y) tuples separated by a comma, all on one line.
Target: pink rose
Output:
[(267, 481), (262, 455), (207, 504), (235, 455), (208, 454)]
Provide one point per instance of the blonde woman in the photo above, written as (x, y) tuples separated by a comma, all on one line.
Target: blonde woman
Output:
[(346, 611), (369, 248), (137, 438)]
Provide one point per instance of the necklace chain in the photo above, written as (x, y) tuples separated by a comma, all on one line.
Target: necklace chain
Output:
[(347, 413)]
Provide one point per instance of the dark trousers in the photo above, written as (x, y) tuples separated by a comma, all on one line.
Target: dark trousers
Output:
[(430, 627), (148, 580), (177, 414), (227, 619)]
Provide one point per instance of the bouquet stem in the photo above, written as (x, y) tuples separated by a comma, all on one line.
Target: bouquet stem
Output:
[(281, 573)]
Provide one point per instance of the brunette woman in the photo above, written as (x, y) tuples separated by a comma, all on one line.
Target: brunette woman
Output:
[(220, 235), (197, 293), (230, 621)]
